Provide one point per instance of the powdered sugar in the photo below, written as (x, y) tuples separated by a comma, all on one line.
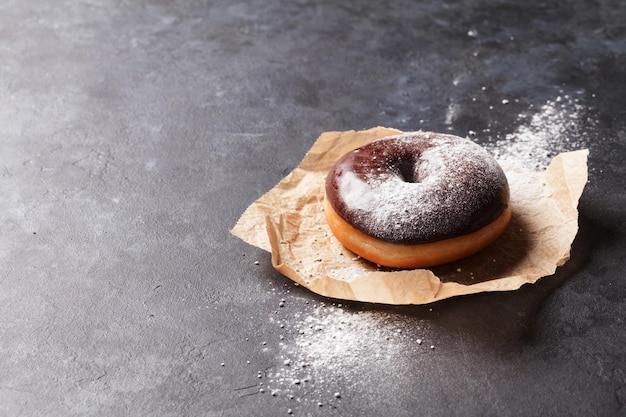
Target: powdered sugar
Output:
[(328, 348), (451, 181), (560, 125)]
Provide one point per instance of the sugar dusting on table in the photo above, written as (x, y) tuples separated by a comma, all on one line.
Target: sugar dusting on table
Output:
[(560, 125), (324, 349)]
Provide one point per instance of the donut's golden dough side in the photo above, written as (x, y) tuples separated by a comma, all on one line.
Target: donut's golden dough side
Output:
[(414, 256)]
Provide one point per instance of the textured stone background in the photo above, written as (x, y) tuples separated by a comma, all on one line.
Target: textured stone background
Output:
[(134, 133)]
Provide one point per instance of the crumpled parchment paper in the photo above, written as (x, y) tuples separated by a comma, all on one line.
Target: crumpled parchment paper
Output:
[(289, 222)]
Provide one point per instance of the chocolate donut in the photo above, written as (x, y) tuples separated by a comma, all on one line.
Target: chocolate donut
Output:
[(411, 194)]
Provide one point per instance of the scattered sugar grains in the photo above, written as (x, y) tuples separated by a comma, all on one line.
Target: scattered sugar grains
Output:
[(560, 125), (328, 345)]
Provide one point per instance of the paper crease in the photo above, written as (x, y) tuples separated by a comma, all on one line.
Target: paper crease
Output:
[(289, 222)]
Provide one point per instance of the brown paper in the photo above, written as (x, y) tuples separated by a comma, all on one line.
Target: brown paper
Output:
[(289, 222)]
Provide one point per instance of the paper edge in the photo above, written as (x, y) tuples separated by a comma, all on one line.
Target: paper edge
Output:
[(253, 210), (439, 290)]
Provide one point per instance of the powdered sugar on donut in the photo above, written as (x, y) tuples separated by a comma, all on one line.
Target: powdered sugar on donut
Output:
[(419, 187)]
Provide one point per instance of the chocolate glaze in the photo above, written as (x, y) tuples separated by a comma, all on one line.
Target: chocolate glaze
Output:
[(419, 187)]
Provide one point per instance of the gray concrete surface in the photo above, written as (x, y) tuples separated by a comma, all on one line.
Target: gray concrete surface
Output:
[(134, 133)]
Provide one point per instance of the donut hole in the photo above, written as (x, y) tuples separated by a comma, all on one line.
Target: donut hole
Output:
[(406, 168)]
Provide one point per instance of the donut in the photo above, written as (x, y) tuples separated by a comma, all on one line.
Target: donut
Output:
[(417, 200)]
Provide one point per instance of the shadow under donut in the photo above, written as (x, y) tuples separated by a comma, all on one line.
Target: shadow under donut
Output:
[(501, 259)]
